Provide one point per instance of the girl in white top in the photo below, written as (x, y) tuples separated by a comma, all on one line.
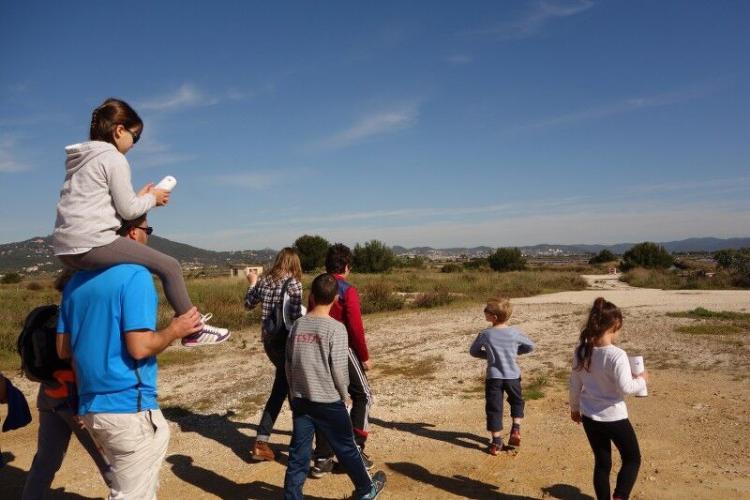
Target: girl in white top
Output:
[(97, 196), (600, 378)]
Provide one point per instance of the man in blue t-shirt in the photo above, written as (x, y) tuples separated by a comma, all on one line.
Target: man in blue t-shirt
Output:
[(107, 326)]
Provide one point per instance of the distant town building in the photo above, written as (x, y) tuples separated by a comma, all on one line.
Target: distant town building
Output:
[(241, 270)]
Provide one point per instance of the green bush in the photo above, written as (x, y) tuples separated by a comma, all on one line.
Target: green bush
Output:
[(378, 296), (737, 263), (312, 251), (416, 262), (373, 257), (602, 257), (452, 268), (476, 263), (507, 259), (10, 278), (647, 255)]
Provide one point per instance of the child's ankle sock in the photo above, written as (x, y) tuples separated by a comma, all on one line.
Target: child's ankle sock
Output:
[(497, 440), (516, 427)]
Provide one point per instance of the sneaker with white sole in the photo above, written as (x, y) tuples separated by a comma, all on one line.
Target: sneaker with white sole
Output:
[(321, 467), (378, 483), (208, 334)]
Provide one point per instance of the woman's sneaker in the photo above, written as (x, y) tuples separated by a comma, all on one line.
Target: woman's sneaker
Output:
[(208, 335), (378, 483)]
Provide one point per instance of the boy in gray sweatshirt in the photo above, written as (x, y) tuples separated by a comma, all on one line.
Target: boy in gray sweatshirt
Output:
[(317, 370), (500, 345)]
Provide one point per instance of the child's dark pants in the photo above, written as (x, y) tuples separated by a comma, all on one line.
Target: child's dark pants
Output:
[(600, 435), (493, 393)]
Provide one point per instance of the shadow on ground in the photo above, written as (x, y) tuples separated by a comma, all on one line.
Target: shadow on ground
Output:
[(461, 486), (12, 480), (424, 429), (216, 484), (566, 492), (223, 430)]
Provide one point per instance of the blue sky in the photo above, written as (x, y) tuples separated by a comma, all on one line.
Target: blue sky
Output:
[(415, 123)]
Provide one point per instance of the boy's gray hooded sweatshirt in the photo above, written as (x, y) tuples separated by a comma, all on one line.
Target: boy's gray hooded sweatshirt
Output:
[(96, 196)]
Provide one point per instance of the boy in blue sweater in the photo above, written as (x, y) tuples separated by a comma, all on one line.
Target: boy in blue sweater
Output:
[(500, 345)]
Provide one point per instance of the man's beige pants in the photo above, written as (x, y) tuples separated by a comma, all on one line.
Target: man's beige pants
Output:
[(135, 445)]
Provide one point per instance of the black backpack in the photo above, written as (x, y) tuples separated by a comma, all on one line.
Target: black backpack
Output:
[(274, 325), (37, 345)]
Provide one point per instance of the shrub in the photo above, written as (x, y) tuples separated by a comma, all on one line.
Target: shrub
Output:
[(602, 257), (416, 262), (452, 268), (737, 262), (312, 251), (10, 278), (476, 263), (647, 255), (507, 259), (440, 296), (378, 296), (373, 257), (34, 286)]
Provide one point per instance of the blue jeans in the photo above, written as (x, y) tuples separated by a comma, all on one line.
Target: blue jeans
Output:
[(333, 421), (271, 411)]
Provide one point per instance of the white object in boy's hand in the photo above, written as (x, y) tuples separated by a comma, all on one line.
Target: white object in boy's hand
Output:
[(636, 368), (166, 184)]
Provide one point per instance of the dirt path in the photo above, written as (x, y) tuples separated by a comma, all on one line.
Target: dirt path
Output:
[(428, 422)]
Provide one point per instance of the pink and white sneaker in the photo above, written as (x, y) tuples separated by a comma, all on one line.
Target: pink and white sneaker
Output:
[(208, 335)]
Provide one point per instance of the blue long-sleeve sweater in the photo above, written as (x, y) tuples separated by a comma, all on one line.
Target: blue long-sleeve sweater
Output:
[(500, 347)]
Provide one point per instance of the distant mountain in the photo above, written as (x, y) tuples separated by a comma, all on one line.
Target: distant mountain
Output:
[(35, 254)]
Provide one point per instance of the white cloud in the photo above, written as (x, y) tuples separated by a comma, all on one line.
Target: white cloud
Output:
[(9, 162), (262, 179), (627, 105), (533, 20), (186, 96), (374, 124), (459, 59)]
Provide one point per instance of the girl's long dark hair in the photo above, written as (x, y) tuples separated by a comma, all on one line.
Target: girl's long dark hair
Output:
[(110, 114), (603, 316)]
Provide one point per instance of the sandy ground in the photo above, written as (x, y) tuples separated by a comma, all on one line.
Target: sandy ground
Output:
[(428, 423)]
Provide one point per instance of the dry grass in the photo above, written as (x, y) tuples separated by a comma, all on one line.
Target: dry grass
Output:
[(424, 368)]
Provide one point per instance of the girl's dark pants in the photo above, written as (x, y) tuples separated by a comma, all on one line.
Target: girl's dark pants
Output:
[(600, 435), (493, 394)]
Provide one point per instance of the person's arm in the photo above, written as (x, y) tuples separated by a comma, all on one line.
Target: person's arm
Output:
[(574, 396), (626, 382), (525, 345), (354, 326), (145, 343), (340, 361), (252, 297), (62, 344), (127, 203), (3, 390), (295, 299), (477, 347)]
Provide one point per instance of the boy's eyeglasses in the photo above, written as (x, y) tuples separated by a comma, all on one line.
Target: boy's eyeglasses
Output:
[(134, 135), (148, 229)]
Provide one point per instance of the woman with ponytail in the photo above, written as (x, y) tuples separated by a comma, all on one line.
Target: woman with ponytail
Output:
[(600, 378)]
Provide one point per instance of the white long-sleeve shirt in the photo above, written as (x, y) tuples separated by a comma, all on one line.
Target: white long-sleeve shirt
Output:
[(598, 393)]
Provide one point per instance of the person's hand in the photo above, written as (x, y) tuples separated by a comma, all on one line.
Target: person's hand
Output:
[(162, 197), (367, 364), (643, 375), (252, 277), (78, 421), (146, 189), (187, 323), (575, 416)]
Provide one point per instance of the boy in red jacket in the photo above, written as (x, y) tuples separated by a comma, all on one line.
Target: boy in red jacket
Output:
[(347, 310)]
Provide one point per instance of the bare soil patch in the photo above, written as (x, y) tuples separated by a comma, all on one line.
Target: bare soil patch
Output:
[(428, 422)]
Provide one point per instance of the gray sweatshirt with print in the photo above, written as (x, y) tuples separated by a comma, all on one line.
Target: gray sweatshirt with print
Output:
[(317, 354), (96, 196)]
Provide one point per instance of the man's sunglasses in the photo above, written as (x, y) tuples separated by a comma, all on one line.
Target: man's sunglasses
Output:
[(148, 229)]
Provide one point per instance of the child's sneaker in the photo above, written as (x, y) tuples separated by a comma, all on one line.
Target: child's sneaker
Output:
[(208, 335), (515, 438), (262, 451), (495, 447), (378, 483), (321, 467)]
